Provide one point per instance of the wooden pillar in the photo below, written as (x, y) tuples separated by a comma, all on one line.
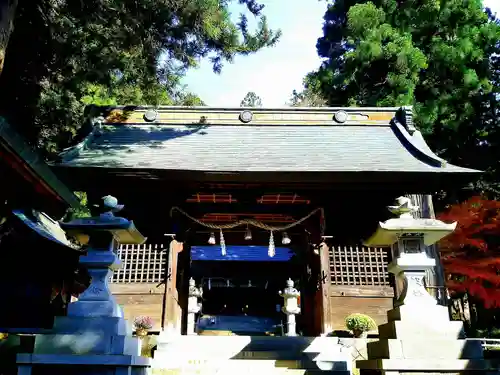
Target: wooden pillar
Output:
[(172, 313), (325, 286), (309, 316), (184, 273)]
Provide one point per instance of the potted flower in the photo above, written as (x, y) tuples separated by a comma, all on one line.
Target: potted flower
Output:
[(142, 325), (360, 324)]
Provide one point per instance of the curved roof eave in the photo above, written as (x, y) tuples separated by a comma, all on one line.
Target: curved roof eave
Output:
[(35, 168), (418, 147)]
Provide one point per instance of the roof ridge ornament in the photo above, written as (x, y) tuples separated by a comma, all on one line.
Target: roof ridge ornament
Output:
[(246, 116), (340, 116), (150, 115), (405, 117)]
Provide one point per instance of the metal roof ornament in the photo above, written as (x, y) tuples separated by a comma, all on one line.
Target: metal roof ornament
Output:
[(340, 116), (150, 115), (246, 116)]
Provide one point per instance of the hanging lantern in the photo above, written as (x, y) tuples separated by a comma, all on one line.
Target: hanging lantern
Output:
[(285, 240), (211, 240), (222, 244), (248, 234), (272, 249)]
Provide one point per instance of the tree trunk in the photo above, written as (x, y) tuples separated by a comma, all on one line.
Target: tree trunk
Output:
[(7, 14)]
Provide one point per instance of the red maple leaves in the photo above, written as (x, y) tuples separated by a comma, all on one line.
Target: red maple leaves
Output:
[(471, 254)]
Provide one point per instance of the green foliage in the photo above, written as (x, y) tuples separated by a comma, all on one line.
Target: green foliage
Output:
[(188, 99), (82, 211), (383, 68), (306, 98), (251, 99), (437, 55), (359, 322), (66, 54)]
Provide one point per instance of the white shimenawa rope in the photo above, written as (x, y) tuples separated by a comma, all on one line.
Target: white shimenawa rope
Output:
[(253, 222)]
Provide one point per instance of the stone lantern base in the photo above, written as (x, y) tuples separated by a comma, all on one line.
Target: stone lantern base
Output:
[(423, 341), (86, 345)]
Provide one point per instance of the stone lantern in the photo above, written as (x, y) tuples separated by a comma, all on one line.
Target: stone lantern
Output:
[(419, 336), (291, 306), (94, 335), (408, 238), (194, 306)]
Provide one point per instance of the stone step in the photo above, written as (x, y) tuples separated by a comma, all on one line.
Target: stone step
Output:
[(276, 355), (431, 328), (282, 355), (441, 348), (237, 344), (257, 365), (256, 361), (312, 353), (249, 371), (409, 314), (244, 363), (91, 343)]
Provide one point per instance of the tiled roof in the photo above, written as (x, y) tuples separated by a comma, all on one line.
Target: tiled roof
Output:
[(285, 140), (45, 227), (32, 164)]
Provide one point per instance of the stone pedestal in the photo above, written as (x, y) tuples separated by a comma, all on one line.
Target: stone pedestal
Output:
[(422, 340), (419, 336), (94, 336), (291, 325)]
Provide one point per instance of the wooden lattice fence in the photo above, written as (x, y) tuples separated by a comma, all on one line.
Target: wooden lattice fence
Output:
[(359, 265), (141, 264)]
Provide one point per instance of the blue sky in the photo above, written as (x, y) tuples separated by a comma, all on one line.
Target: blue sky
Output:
[(275, 72)]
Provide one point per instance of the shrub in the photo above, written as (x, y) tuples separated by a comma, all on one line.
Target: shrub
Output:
[(359, 323)]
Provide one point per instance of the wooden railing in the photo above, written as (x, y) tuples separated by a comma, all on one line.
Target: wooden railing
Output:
[(359, 265), (141, 264)]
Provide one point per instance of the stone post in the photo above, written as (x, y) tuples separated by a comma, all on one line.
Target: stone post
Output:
[(291, 307), (194, 306), (94, 335), (419, 336)]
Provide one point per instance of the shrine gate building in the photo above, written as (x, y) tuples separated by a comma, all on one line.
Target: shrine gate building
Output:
[(241, 199)]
